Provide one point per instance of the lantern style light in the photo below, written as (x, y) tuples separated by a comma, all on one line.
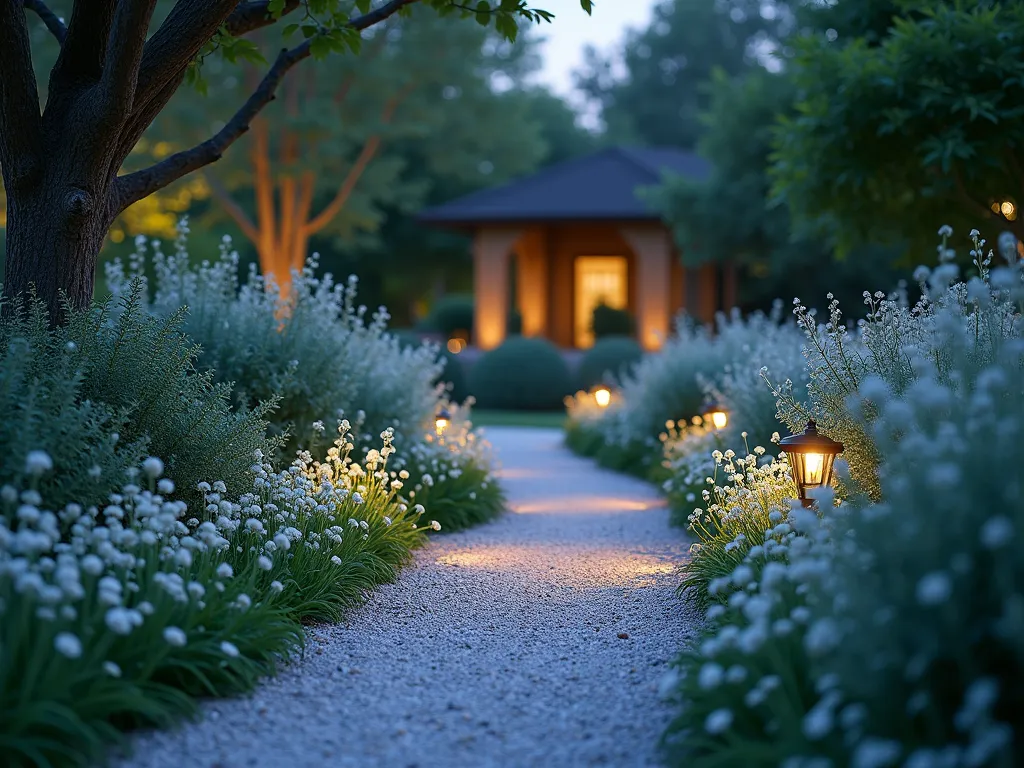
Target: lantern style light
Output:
[(811, 455), (441, 420), (715, 415), (603, 396)]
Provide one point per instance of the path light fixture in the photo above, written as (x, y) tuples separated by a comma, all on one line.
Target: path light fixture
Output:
[(715, 415), (442, 420), (811, 455), (602, 396)]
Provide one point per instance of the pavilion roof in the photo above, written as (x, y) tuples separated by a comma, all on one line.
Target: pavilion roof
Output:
[(597, 187)]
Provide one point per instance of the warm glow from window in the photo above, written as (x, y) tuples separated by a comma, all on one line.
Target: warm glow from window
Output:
[(456, 345), (603, 396), (719, 419), (599, 280), (813, 465)]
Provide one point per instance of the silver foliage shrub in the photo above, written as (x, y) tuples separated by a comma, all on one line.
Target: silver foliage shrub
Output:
[(323, 354), (886, 632)]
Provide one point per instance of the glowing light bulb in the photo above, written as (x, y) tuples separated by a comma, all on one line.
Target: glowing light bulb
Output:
[(813, 465), (441, 421), (719, 419), (603, 397), (1007, 208)]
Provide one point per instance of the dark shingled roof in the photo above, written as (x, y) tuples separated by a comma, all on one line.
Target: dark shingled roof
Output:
[(601, 186)]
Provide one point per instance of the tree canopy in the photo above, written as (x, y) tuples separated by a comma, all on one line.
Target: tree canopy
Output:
[(898, 132), (657, 97)]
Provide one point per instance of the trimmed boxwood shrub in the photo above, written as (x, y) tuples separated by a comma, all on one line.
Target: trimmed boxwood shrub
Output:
[(522, 374), (605, 362)]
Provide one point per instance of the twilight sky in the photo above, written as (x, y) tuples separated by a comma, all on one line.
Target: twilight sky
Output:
[(572, 29)]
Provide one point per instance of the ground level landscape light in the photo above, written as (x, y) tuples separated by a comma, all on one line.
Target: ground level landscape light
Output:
[(811, 455), (602, 396), (715, 415), (441, 420)]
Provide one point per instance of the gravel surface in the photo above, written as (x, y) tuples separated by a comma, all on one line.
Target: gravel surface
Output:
[(539, 639)]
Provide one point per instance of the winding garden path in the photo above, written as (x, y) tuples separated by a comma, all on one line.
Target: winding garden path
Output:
[(538, 639)]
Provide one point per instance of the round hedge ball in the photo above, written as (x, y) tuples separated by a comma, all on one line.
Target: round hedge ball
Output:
[(522, 374), (608, 360)]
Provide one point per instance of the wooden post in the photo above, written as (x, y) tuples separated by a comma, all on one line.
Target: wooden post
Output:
[(533, 285), (652, 247), (491, 248)]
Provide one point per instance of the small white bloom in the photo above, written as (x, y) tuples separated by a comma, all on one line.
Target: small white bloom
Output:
[(68, 645), (934, 588), (37, 462), (435, 525), (175, 636), (224, 571), (229, 649), (265, 562), (276, 587), (718, 721), (111, 669), (153, 467)]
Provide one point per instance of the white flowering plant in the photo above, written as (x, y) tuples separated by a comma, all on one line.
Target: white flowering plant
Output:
[(121, 614), (885, 631), (743, 507), (452, 474), (318, 353), (894, 333)]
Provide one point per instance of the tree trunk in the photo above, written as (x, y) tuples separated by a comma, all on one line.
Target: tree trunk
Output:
[(54, 234)]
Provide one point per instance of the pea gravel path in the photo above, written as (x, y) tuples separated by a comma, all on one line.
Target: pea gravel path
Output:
[(503, 646)]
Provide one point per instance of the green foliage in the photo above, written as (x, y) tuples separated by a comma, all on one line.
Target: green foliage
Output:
[(110, 385), (928, 131), (521, 374), (609, 321), (44, 409), (610, 359)]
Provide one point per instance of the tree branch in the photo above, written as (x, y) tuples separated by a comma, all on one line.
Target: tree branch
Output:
[(85, 44), (20, 121), (233, 209), (366, 154), (49, 18), (256, 14), (124, 55), (134, 186)]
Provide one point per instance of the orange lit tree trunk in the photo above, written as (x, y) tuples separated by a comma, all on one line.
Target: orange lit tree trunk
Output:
[(284, 197)]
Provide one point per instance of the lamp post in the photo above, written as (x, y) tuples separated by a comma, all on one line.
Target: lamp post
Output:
[(602, 396), (441, 420), (812, 456)]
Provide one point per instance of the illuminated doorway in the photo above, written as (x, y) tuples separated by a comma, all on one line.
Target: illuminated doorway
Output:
[(599, 280)]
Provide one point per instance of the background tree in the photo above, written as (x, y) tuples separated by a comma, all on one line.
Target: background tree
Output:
[(321, 160), (898, 133), (730, 217), (653, 95), (61, 163)]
